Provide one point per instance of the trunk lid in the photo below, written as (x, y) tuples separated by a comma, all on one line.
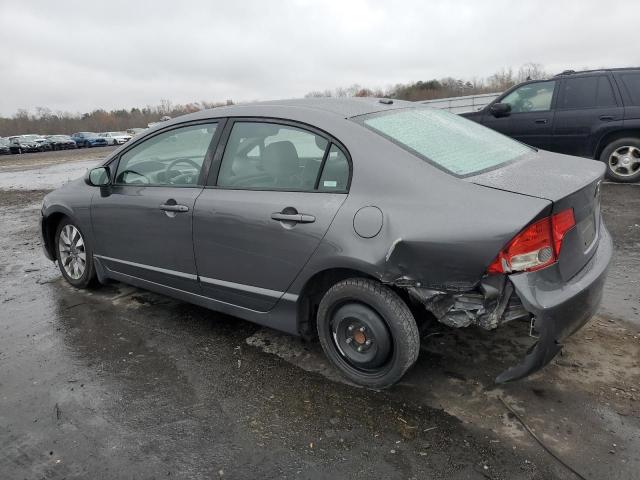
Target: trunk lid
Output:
[(568, 182)]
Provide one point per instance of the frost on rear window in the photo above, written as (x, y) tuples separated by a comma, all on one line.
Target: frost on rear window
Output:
[(454, 143)]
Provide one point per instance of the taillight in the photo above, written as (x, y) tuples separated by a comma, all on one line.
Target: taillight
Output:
[(536, 247)]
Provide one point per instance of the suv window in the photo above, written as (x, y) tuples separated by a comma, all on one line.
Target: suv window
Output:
[(586, 92), (632, 83), (270, 156), (170, 158), (532, 97)]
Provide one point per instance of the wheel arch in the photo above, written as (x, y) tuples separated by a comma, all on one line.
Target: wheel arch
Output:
[(314, 289), (50, 224), (612, 137)]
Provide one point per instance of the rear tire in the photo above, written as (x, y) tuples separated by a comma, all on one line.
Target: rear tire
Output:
[(74, 255), (368, 332), (622, 158)]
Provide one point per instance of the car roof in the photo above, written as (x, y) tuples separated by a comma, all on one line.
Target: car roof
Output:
[(340, 107), (567, 73)]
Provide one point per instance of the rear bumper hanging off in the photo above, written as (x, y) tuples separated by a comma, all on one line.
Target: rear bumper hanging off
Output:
[(559, 310)]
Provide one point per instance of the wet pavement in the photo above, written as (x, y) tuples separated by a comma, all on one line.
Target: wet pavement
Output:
[(117, 382)]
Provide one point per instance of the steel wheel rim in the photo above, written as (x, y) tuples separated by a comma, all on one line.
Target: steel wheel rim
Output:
[(625, 161), (73, 254), (361, 338)]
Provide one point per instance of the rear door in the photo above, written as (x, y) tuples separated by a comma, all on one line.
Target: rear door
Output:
[(531, 118), (143, 224), (586, 110), (629, 83), (269, 202)]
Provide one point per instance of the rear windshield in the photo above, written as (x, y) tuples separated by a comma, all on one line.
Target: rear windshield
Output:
[(450, 142)]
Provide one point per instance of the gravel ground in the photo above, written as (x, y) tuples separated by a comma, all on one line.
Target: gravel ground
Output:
[(118, 382)]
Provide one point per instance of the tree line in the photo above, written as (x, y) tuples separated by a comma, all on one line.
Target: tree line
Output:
[(44, 121), (442, 88)]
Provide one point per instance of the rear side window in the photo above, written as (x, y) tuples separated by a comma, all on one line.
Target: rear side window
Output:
[(270, 156), (335, 174), (631, 82), (587, 92), (450, 142)]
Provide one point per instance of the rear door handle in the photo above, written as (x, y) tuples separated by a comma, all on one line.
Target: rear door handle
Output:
[(542, 121), (167, 207), (606, 118), (293, 217)]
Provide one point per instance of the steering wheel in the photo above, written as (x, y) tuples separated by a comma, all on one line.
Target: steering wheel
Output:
[(179, 175), (527, 106)]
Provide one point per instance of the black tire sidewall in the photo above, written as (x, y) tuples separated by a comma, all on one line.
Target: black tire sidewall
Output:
[(397, 317), (609, 149), (89, 274)]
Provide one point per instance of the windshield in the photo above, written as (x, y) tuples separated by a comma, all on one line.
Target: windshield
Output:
[(31, 138), (450, 142)]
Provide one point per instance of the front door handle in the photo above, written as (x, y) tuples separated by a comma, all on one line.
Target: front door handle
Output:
[(167, 207), (293, 217), (606, 118), (542, 121)]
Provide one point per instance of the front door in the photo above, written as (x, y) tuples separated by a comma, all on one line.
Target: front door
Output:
[(143, 224), (278, 189), (531, 118)]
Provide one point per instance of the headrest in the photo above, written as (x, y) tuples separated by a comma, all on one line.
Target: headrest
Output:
[(280, 159)]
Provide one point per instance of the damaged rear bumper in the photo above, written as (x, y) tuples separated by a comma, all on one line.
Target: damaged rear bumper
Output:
[(559, 308)]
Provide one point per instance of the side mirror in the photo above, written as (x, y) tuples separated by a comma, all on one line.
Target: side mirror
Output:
[(500, 109), (98, 177)]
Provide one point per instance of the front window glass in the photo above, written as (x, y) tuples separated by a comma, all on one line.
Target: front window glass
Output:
[(170, 158), (532, 97), (269, 156), (453, 143)]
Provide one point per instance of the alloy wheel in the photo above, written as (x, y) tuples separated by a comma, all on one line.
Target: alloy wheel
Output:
[(625, 161), (73, 254)]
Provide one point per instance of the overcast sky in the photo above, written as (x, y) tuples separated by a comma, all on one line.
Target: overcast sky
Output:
[(78, 56)]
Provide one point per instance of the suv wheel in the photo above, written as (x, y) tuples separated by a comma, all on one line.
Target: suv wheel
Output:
[(87, 145), (74, 255), (368, 332), (622, 158)]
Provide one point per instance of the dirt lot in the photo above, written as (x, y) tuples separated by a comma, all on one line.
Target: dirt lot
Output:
[(122, 383)]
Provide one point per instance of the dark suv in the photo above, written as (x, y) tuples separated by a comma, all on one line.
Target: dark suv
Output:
[(594, 114)]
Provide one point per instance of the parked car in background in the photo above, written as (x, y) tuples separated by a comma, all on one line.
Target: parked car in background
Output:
[(353, 220), (28, 143), (593, 114), (4, 146), (61, 142), (88, 140), (115, 138)]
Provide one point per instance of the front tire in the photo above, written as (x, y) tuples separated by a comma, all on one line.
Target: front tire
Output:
[(368, 332), (74, 254), (87, 145), (622, 159)]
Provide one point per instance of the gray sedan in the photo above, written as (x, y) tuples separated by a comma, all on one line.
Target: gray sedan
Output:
[(359, 221)]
